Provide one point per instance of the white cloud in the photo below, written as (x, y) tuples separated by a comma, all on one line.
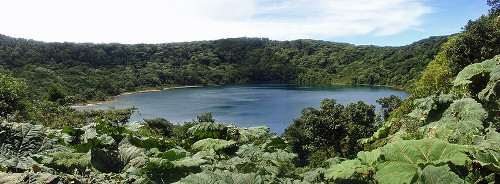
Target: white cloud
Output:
[(155, 21)]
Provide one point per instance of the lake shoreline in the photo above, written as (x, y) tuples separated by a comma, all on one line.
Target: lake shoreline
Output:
[(94, 103), (374, 85), (112, 98), (256, 104)]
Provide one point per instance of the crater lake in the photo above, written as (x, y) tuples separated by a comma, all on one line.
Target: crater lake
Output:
[(244, 105)]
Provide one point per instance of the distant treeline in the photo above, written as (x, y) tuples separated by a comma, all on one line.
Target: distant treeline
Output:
[(87, 71)]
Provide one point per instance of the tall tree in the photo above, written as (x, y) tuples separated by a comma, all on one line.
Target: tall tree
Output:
[(332, 130), (12, 94)]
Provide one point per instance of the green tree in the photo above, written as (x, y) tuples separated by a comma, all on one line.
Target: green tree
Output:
[(495, 4), (330, 131), (161, 125), (207, 117), (12, 95), (388, 104), (55, 94)]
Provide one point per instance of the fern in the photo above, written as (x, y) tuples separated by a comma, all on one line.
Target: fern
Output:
[(208, 130)]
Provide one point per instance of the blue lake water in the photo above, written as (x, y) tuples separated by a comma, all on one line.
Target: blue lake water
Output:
[(269, 104)]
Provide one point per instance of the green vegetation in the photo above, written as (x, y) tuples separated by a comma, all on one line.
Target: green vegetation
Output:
[(332, 131), (446, 132), (13, 94), (478, 42), (70, 73)]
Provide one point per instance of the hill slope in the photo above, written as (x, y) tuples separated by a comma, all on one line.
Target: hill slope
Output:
[(93, 71)]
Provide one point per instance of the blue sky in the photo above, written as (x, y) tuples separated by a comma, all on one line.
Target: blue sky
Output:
[(447, 17), (361, 22)]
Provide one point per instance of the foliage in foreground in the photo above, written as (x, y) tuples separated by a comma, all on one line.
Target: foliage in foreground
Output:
[(107, 151), (447, 138)]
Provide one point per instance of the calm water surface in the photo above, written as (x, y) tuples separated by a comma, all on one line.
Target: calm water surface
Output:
[(271, 104)]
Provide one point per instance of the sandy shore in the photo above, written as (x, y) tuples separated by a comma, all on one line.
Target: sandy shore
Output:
[(78, 105)]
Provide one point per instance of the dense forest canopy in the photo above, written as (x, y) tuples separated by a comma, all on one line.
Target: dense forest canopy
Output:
[(88, 71), (447, 131)]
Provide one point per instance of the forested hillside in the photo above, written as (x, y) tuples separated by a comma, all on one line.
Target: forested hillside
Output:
[(94, 71), (447, 131)]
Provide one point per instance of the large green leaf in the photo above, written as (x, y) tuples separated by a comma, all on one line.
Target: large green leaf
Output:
[(11, 178), (40, 177), (106, 140), (68, 162), (252, 134), (20, 143), (425, 106), (314, 176), (346, 169), (393, 172), (128, 152), (173, 165), (492, 86), (354, 169), (437, 175), (106, 161), (278, 157), (488, 141), (189, 162), (216, 144), (473, 79), (489, 159), (463, 119), (464, 77), (173, 154), (222, 177), (208, 130), (369, 158), (401, 160), (466, 109), (273, 162), (90, 132)]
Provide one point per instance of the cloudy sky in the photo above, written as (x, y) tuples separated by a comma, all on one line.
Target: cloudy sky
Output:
[(377, 22)]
